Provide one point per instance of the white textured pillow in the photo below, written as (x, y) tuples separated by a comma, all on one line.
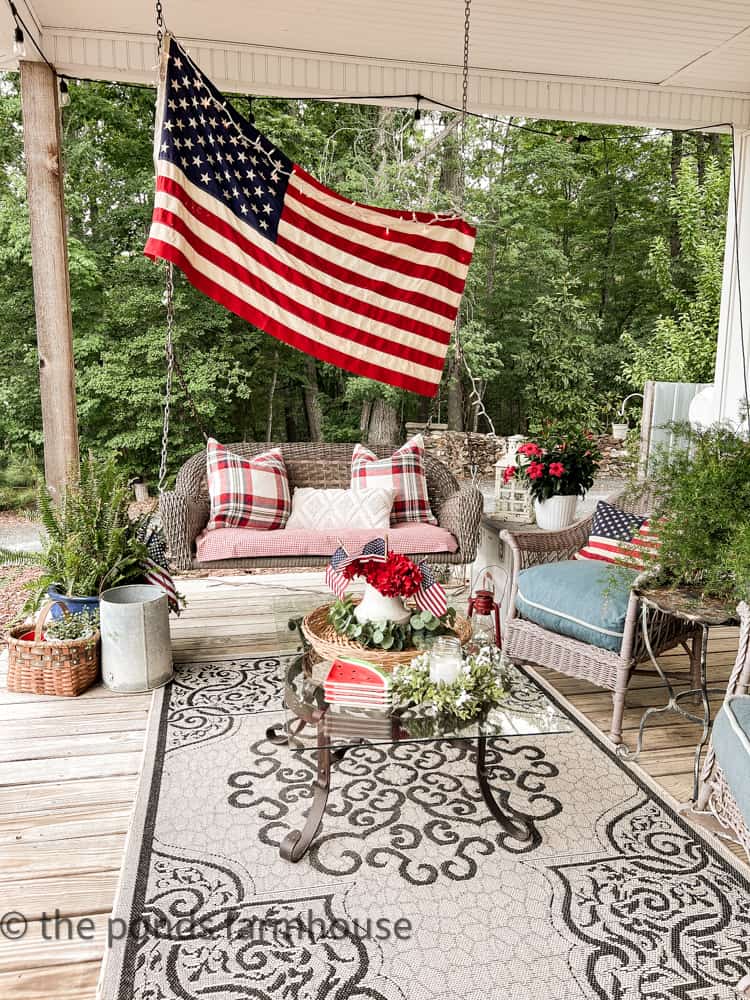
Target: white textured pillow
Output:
[(326, 510)]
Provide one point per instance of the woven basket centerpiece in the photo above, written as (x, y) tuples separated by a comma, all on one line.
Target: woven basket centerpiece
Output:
[(329, 645)]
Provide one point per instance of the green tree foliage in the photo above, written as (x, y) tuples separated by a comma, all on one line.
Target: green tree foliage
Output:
[(555, 368), (573, 276), (681, 345)]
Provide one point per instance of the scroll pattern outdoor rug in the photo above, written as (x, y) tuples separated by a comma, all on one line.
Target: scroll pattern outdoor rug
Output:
[(411, 892)]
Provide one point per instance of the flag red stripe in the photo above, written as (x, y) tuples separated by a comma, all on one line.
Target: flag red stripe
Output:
[(417, 299), (460, 224), (309, 315), (401, 296), (308, 284), (349, 362), (440, 247), (385, 260)]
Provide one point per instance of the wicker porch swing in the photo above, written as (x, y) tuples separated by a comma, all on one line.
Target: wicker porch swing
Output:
[(185, 510)]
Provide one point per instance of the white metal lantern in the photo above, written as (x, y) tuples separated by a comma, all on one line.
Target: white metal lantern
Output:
[(513, 501)]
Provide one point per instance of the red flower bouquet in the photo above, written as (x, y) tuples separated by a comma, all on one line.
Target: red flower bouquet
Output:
[(397, 576)]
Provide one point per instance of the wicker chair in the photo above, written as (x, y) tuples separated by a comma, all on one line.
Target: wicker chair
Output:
[(184, 512), (526, 642), (715, 793)]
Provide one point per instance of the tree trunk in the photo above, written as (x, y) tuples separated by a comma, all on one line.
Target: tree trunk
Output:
[(364, 417), (675, 244), (384, 426), (312, 402), (700, 157), (271, 393), (455, 394)]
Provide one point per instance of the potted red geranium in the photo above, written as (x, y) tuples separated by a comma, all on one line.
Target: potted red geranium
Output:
[(558, 469)]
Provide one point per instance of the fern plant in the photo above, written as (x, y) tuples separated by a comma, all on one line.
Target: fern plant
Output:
[(90, 542)]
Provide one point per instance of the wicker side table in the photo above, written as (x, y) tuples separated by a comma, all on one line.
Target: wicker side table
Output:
[(703, 614)]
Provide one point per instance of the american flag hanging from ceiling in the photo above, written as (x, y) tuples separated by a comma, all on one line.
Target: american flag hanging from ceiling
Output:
[(374, 291)]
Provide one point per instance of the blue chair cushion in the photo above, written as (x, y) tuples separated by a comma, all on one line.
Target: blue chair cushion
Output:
[(582, 600), (731, 742)]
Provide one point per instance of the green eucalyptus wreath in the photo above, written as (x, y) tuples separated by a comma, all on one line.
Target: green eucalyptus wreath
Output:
[(415, 633), (428, 707), (481, 685)]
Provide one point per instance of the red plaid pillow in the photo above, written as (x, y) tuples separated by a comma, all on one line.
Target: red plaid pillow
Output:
[(403, 473), (247, 492)]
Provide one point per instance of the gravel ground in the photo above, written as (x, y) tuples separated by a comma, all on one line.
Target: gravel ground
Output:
[(13, 593)]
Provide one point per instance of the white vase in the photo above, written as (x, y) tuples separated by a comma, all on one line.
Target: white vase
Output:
[(375, 607), (555, 513)]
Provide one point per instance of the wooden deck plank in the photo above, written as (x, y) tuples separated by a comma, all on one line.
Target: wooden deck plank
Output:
[(57, 982), (43, 859), (73, 894), (50, 797), (55, 769), (62, 824), (72, 745)]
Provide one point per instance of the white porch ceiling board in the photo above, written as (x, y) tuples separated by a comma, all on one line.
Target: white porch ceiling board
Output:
[(680, 63)]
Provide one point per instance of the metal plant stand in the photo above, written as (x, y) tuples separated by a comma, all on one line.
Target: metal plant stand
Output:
[(703, 615)]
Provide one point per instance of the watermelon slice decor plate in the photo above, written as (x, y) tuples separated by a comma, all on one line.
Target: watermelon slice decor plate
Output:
[(358, 673), (357, 682)]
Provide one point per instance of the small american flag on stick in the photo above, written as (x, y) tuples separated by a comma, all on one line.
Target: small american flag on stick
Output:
[(431, 594), (374, 291), (375, 550)]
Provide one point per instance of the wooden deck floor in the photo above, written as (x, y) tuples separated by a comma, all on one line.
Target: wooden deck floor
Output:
[(69, 767)]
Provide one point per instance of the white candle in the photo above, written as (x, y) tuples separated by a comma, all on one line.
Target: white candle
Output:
[(445, 660)]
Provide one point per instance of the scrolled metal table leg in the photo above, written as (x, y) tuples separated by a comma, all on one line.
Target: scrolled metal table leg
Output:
[(296, 843), (281, 734), (514, 826)]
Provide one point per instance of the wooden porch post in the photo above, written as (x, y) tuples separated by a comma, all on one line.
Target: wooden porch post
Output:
[(49, 258)]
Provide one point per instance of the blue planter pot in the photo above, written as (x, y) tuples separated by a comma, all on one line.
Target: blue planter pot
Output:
[(73, 604)]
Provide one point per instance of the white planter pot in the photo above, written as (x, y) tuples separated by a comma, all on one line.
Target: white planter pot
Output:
[(374, 607), (619, 431), (555, 513)]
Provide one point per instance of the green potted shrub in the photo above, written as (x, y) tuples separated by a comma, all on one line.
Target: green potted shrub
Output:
[(89, 542), (701, 508)]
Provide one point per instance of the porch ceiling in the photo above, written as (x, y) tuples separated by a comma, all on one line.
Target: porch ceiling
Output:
[(653, 62)]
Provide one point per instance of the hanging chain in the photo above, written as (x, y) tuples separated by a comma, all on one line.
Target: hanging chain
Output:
[(169, 355), (159, 23), (465, 79), (475, 395)]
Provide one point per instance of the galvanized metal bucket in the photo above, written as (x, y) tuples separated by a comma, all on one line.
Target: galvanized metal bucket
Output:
[(136, 648)]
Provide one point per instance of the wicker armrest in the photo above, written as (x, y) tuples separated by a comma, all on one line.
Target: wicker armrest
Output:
[(461, 513), (561, 544), (183, 518)]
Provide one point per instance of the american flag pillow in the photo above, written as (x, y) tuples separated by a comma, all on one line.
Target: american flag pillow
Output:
[(403, 473), (617, 536), (247, 492)]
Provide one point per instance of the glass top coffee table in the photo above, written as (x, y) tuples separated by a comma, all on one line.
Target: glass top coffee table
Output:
[(312, 725)]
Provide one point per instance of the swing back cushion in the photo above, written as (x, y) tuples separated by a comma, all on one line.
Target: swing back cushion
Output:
[(247, 492), (404, 473)]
